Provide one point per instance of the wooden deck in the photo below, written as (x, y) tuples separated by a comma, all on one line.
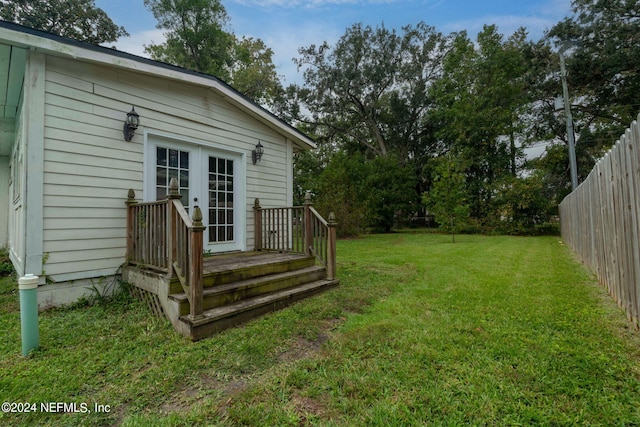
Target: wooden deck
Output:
[(237, 287), (295, 257)]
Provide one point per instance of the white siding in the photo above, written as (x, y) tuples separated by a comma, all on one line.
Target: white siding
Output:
[(16, 196), (4, 201), (89, 167)]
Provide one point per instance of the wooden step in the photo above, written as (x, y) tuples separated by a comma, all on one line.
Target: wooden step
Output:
[(217, 296), (219, 318), (222, 269)]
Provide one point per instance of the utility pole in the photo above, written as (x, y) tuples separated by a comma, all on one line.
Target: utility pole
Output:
[(567, 112)]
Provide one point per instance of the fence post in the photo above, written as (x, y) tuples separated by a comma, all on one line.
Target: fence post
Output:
[(196, 264), (131, 200), (331, 247), (257, 222), (308, 224)]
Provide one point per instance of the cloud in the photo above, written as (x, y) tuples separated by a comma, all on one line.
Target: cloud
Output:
[(539, 19), (134, 44), (285, 44)]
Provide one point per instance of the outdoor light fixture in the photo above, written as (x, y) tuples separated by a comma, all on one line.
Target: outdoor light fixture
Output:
[(256, 154), (131, 124)]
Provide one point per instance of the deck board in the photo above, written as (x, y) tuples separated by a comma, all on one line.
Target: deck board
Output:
[(225, 262)]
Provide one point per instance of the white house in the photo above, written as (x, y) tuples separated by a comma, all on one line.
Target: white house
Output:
[(65, 166)]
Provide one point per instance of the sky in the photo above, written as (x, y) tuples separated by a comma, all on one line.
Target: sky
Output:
[(286, 25)]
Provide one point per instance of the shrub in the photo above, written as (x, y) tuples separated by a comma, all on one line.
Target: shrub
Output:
[(6, 267)]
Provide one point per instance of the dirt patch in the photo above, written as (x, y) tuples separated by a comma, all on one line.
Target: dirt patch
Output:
[(184, 399), (303, 347), (226, 391), (308, 408)]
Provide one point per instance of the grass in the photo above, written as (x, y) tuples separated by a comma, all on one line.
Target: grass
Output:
[(486, 331)]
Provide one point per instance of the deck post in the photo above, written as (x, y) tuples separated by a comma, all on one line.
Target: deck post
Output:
[(196, 275), (308, 224), (172, 249), (331, 247), (257, 222), (131, 200)]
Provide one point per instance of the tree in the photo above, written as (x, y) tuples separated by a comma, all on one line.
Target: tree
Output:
[(369, 93), (195, 35), (76, 19), (604, 63), (447, 198), (368, 96), (481, 98), (253, 72), (197, 38), (522, 204), (341, 189), (390, 192)]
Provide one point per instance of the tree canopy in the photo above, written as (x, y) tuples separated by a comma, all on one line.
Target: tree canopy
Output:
[(75, 19), (198, 38), (604, 66), (601, 41), (369, 93), (424, 97)]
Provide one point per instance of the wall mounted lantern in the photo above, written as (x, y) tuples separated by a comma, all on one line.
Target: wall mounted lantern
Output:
[(256, 154), (131, 124)]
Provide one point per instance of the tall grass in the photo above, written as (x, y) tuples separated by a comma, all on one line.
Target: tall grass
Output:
[(486, 331)]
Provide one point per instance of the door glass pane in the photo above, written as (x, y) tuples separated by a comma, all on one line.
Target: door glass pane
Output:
[(172, 163), (184, 196), (173, 158), (161, 176), (161, 193), (221, 195), (184, 160), (161, 156)]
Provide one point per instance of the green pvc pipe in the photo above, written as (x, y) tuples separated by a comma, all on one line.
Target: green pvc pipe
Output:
[(28, 286)]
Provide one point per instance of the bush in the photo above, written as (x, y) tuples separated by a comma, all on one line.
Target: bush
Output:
[(376, 194), (6, 267), (547, 229)]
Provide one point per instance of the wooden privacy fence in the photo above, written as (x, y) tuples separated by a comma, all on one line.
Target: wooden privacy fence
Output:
[(600, 221)]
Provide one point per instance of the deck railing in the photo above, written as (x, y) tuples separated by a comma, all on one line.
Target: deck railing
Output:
[(146, 234), (162, 237), (298, 229)]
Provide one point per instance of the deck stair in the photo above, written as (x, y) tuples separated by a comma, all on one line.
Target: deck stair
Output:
[(237, 288)]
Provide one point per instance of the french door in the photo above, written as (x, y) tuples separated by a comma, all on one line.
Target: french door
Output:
[(222, 205), (208, 178)]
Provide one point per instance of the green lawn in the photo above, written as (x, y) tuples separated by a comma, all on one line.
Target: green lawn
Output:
[(486, 331)]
